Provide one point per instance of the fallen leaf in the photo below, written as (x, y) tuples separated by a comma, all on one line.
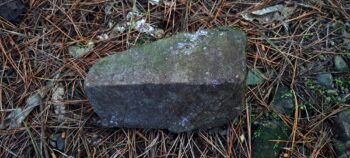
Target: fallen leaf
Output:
[(18, 115), (269, 14)]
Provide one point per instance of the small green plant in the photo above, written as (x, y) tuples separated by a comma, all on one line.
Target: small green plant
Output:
[(257, 133), (305, 105), (327, 96), (144, 39), (310, 84), (287, 95), (339, 82)]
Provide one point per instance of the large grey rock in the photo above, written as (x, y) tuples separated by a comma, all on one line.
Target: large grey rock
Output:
[(185, 82)]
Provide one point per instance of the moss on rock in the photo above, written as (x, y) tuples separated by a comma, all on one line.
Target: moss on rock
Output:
[(267, 137)]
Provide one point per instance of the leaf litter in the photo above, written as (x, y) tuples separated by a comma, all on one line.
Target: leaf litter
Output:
[(18, 115)]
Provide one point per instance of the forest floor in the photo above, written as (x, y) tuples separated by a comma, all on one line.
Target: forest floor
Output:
[(302, 46)]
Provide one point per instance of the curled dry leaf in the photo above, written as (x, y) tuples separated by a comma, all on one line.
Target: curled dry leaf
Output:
[(269, 14), (18, 115)]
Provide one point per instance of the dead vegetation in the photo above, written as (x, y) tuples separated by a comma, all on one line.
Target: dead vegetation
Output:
[(288, 48)]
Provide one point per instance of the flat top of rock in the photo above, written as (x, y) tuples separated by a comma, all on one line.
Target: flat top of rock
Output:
[(184, 58)]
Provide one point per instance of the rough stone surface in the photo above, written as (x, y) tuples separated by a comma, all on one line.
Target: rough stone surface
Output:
[(283, 100), (342, 148), (340, 64), (11, 9), (325, 80), (265, 131), (341, 127), (181, 83)]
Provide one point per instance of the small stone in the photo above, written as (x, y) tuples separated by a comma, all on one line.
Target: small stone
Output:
[(342, 125), (12, 10), (254, 77), (185, 82), (342, 149), (325, 79), (56, 141), (283, 100), (341, 128), (340, 64), (348, 46)]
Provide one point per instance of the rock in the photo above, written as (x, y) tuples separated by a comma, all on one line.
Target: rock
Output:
[(185, 82), (325, 79), (56, 141), (254, 77), (348, 46), (342, 125), (340, 64), (341, 128), (264, 132), (11, 10), (283, 100), (342, 149)]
